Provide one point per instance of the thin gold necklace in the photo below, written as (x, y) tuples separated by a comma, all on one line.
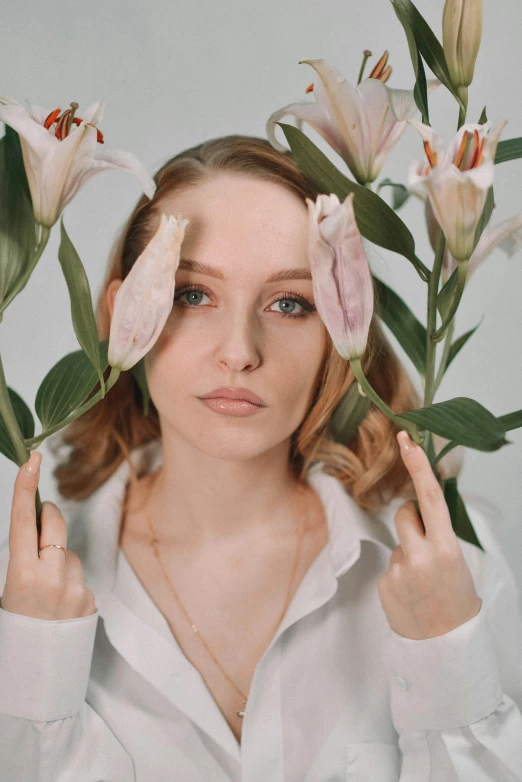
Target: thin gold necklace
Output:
[(155, 548)]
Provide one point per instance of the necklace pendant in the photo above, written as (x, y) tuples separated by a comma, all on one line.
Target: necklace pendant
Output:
[(241, 713)]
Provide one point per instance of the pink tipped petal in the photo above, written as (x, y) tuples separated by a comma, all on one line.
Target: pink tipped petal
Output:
[(115, 158), (35, 135), (507, 235), (344, 106), (144, 300), (316, 116)]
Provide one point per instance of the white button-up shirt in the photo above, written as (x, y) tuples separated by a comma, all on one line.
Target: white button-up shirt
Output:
[(337, 696)]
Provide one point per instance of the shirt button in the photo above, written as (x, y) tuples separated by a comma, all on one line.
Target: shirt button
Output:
[(403, 683)]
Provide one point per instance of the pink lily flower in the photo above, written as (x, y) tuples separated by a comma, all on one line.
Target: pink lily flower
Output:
[(144, 299), (341, 277), (362, 124), (62, 153), (457, 182)]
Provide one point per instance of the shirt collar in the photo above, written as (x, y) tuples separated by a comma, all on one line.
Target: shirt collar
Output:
[(94, 524)]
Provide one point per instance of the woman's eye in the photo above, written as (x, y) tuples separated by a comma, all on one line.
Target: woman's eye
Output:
[(289, 308)]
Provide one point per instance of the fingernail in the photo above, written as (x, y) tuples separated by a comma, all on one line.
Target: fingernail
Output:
[(33, 465), (406, 444)]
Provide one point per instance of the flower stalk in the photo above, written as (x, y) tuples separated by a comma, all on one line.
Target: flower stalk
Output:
[(431, 347), (462, 271), (374, 397)]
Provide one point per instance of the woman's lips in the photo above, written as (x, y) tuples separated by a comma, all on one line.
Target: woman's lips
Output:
[(237, 407)]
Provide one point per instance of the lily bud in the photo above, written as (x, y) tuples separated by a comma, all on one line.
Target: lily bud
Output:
[(461, 36), (144, 299), (341, 277)]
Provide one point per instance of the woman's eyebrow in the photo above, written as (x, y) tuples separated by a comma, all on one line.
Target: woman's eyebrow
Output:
[(187, 264)]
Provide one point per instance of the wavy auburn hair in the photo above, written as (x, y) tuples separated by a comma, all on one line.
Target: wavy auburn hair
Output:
[(369, 465)]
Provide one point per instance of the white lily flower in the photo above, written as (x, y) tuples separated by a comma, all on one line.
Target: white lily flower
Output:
[(362, 124), (341, 277), (457, 182), (144, 299), (62, 153)]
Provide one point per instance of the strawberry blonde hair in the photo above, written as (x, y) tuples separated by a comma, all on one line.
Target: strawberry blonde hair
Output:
[(369, 465)]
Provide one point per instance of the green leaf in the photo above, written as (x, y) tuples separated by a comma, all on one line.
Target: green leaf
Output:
[(17, 225), (509, 149), (376, 220), (511, 420), (138, 371), (427, 42), (25, 422), (485, 216), (403, 324), (400, 193), (459, 344), (82, 313), (420, 91), (67, 385), (462, 420), (483, 117), (348, 415), (460, 520), (446, 294)]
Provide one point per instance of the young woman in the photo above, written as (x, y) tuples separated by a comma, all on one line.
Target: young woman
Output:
[(271, 608)]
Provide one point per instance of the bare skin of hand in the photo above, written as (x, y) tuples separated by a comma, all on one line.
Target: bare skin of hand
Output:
[(50, 586), (428, 588)]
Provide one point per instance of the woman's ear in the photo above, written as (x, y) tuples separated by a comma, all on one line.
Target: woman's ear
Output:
[(110, 293)]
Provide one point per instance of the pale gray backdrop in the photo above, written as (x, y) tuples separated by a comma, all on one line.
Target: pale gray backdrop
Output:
[(173, 74)]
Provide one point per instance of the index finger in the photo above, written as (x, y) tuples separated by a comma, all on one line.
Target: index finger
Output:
[(433, 506), (23, 535)]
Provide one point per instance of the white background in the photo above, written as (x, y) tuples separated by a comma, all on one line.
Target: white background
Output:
[(173, 74)]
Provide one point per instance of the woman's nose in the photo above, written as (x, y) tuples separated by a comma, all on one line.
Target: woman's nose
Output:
[(238, 342)]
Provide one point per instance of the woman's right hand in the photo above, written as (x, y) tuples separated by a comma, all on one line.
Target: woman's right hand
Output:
[(49, 586)]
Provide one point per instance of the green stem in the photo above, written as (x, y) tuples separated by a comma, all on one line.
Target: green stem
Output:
[(431, 348), (462, 271), (447, 448), (372, 395), (113, 377), (445, 355), (463, 95), (22, 282), (15, 433)]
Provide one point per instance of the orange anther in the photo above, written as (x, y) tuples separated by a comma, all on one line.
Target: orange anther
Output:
[(430, 154), (477, 151), (461, 150), (385, 75), (51, 118), (310, 88), (380, 66)]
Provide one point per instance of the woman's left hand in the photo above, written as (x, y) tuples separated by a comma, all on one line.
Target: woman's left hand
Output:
[(428, 589)]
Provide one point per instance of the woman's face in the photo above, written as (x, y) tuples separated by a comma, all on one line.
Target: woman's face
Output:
[(239, 330)]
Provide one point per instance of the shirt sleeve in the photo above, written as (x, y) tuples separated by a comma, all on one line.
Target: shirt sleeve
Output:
[(456, 699), (48, 733)]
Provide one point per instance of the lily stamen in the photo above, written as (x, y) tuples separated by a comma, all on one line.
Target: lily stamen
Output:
[(479, 146), (65, 122), (463, 148), (310, 88), (379, 67), (430, 154)]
